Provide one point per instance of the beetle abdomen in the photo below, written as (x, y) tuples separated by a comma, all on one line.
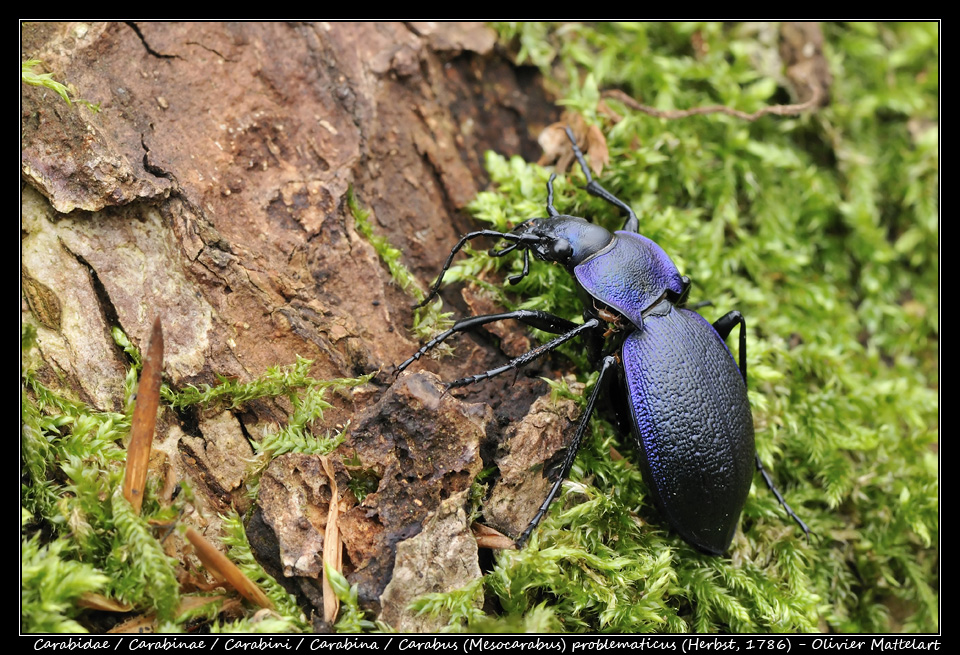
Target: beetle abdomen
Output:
[(693, 426)]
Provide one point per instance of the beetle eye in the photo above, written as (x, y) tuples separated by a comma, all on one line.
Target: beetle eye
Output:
[(561, 250)]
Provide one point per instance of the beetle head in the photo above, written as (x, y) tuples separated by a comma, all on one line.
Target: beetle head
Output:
[(567, 240)]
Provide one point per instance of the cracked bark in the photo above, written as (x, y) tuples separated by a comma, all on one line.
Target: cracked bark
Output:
[(210, 191)]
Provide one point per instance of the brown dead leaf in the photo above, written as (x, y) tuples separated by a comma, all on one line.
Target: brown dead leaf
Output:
[(98, 602), (556, 144), (598, 155), (144, 624)]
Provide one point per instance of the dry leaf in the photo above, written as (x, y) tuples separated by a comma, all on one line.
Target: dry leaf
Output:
[(487, 537), (98, 602)]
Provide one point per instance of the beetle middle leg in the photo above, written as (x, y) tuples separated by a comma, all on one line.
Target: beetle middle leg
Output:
[(724, 325), (548, 323), (534, 318), (528, 357)]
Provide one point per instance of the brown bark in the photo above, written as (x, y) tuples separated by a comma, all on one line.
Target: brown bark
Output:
[(210, 191)]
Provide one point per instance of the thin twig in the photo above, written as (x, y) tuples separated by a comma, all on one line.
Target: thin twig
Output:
[(779, 110)]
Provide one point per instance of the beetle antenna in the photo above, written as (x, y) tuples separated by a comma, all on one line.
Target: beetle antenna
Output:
[(460, 244)]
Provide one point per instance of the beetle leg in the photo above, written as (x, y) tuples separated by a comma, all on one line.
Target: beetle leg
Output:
[(551, 210), (534, 318), (494, 252), (513, 279), (526, 357), (776, 492), (724, 325), (608, 362), (632, 224)]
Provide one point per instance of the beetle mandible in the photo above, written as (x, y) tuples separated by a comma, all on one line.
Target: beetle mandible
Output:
[(675, 382)]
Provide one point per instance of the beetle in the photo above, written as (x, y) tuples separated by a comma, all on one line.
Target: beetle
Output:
[(667, 370)]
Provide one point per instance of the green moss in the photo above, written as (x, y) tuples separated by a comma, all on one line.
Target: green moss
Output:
[(288, 614), (51, 583), (352, 619)]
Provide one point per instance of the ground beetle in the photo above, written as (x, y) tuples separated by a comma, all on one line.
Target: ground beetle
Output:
[(669, 373)]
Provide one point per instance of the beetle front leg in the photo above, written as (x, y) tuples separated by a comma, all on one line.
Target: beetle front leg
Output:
[(608, 361), (632, 224)]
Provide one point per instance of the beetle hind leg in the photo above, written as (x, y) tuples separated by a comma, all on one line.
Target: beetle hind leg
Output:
[(608, 362), (724, 326), (776, 492)]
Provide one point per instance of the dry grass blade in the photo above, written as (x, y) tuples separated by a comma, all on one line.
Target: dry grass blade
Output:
[(144, 420), (332, 546), (223, 569), (147, 623)]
